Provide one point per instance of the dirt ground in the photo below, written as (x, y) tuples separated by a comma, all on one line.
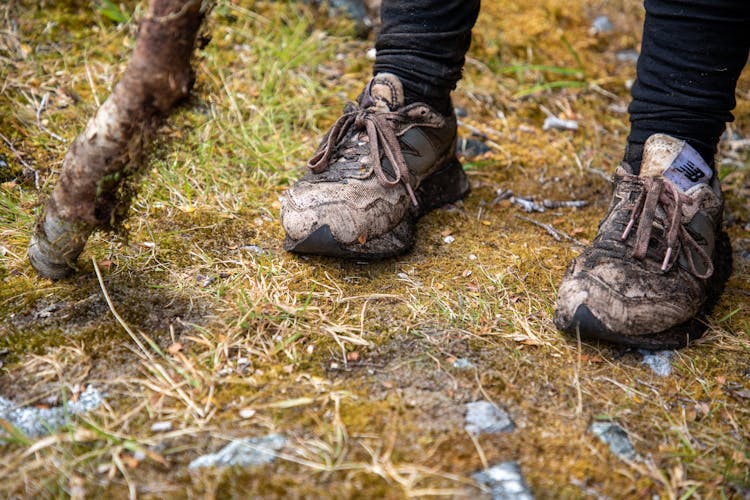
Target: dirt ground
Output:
[(364, 368)]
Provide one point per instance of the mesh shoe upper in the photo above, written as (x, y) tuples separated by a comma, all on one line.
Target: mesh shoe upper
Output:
[(362, 179), (648, 268)]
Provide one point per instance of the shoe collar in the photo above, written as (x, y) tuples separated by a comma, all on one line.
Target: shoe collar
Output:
[(384, 92), (676, 161)]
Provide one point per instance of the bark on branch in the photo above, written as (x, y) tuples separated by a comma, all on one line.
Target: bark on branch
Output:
[(91, 192)]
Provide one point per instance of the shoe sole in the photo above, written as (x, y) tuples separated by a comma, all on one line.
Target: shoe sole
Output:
[(588, 326), (447, 185)]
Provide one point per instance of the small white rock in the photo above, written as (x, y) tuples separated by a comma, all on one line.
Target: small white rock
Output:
[(161, 426), (554, 122), (660, 362), (372, 53), (462, 364), (248, 452), (449, 239), (504, 481), (483, 417), (247, 413), (601, 24)]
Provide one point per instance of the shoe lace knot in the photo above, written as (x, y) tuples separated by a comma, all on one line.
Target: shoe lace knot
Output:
[(665, 195), (380, 125)]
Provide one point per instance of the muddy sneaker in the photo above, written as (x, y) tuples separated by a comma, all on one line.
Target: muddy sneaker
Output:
[(660, 259), (380, 167)]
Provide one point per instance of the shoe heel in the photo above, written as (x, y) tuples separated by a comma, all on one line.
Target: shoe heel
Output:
[(447, 185)]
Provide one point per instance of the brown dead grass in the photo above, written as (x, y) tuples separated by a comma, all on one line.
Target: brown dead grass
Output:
[(351, 361)]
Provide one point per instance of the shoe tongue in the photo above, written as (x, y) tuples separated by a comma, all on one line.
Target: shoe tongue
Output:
[(386, 92), (675, 160)]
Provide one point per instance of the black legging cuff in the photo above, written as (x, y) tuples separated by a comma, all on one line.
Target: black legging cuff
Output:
[(424, 43), (691, 57)]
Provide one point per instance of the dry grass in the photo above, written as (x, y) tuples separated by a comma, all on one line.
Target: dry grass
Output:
[(222, 334)]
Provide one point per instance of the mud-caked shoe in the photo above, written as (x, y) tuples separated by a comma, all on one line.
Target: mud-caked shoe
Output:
[(382, 165), (660, 259)]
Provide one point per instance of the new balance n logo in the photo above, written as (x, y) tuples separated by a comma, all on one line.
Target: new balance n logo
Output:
[(690, 171)]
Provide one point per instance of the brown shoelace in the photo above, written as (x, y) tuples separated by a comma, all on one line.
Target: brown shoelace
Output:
[(655, 193), (380, 128)]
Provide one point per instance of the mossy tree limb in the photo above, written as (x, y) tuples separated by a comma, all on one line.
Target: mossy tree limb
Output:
[(90, 193)]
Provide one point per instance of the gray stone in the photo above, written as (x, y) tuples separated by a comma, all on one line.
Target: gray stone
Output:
[(505, 482), (553, 122), (35, 422), (483, 417), (659, 361), (615, 437), (462, 364), (253, 249), (602, 24), (627, 56), (247, 452)]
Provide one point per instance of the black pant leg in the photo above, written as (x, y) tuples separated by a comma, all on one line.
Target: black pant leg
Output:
[(424, 43), (692, 54)]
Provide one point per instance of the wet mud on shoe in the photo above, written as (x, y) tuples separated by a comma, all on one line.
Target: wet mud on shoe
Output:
[(588, 326), (660, 260), (446, 186), (380, 168)]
